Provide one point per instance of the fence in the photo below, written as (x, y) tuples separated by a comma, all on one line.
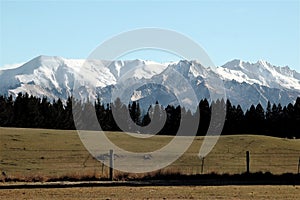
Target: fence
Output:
[(78, 163)]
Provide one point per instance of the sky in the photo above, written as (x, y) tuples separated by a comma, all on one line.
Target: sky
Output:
[(226, 30)]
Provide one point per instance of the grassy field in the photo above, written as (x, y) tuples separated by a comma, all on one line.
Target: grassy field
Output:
[(168, 192), (42, 154)]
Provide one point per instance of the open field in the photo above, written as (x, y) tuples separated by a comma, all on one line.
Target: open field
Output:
[(167, 192), (42, 154)]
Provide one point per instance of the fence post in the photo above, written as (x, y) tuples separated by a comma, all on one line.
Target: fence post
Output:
[(111, 164), (248, 161), (202, 165), (299, 166), (102, 168)]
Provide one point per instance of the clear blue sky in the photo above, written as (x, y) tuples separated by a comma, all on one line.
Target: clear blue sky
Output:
[(248, 30)]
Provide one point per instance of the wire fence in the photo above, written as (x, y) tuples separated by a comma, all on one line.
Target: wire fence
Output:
[(79, 163)]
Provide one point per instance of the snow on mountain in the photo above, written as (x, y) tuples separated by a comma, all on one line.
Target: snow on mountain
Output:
[(244, 83), (54, 76), (261, 73)]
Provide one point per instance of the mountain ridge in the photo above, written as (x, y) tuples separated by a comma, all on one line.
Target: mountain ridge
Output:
[(245, 83)]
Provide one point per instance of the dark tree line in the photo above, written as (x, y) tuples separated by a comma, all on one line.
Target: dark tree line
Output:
[(31, 112)]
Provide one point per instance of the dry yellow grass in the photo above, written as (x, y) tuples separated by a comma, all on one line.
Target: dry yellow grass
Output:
[(166, 192), (42, 154)]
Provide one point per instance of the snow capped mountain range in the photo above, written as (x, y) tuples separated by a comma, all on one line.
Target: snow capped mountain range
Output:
[(244, 83), (261, 73)]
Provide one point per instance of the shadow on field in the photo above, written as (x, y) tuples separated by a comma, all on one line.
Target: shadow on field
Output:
[(258, 178)]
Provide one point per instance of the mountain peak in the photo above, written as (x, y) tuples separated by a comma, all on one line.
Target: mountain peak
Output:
[(43, 58), (262, 62), (234, 64)]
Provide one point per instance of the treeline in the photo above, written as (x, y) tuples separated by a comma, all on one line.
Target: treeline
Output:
[(31, 112)]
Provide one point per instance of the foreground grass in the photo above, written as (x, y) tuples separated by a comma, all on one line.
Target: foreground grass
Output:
[(166, 192), (41, 154)]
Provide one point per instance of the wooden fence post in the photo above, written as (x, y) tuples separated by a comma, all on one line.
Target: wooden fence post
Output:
[(102, 168), (248, 161), (111, 164), (202, 165), (299, 166)]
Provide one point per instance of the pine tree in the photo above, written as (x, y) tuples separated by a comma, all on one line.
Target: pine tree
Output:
[(135, 113), (69, 121), (205, 115), (121, 115), (296, 116)]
